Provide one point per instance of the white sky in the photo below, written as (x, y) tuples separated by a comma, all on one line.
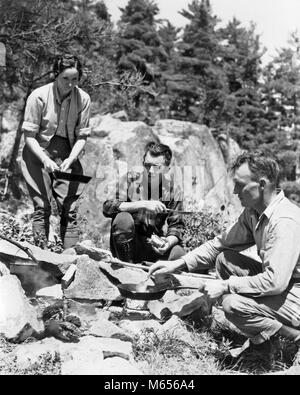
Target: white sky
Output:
[(275, 19)]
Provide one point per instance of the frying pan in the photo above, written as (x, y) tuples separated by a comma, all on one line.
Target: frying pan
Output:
[(146, 292)]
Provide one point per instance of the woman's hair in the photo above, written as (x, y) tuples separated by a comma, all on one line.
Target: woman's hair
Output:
[(63, 62)]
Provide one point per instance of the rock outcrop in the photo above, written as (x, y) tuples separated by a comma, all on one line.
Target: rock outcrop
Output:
[(18, 319)]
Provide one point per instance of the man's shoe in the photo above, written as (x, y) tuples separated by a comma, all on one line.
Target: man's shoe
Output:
[(124, 250)]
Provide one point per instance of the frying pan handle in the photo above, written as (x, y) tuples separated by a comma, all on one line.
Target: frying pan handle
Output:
[(147, 263), (117, 261)]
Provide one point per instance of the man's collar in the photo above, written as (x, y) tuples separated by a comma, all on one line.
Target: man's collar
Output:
[(274, 202), (271, 207)]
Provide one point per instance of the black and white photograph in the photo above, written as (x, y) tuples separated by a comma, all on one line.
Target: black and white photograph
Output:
[(149, 190)]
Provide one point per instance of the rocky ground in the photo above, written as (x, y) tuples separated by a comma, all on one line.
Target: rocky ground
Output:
[(80, 324)]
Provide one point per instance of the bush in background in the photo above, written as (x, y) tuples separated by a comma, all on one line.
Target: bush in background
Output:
[(292, 191), (201, 227)]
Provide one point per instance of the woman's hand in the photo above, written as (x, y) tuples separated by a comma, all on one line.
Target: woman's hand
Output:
[(50, 165), (67, 163)]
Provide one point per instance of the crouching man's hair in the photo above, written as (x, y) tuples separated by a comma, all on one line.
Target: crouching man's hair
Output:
[(156, 149)]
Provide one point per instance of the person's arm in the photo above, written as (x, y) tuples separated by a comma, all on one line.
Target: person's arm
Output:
[(76, 151), (38, 151), (114, 206), (31, 127), (281, 255), (82, 132), (154, 206), (238, 237), (175, 221)]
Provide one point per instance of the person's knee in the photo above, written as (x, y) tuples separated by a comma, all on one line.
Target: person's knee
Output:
[(123, 224), (176, 252), (232, 305)]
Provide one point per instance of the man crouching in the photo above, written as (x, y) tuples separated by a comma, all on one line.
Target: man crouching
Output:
[(140, 211), (260, 298)]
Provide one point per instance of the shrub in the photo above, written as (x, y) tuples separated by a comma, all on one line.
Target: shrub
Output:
[(201, 227), (292, 191)]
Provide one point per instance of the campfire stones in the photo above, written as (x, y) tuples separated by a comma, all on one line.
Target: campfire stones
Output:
[(18, 319), (53, 292), (105, 328), (181, 306), (87, 247), (90, 284)]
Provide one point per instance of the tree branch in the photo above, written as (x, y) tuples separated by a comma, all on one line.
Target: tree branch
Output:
[(25, 249), (152, 93)]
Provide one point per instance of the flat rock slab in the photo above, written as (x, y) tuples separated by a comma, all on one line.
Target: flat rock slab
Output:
[(123, 275), (18, 319), (136, 327), (54, 292), (104, 328), (90, 284), (56, 264), (88, 248), (181, 306)]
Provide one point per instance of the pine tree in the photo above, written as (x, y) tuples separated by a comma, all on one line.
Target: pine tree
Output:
[(282, 98), (139, 43), (198, 81), (241, 57)]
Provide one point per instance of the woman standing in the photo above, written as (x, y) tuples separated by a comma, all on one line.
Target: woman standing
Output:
[(56, 126)]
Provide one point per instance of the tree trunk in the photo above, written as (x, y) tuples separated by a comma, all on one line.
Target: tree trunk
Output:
[(14, 178)]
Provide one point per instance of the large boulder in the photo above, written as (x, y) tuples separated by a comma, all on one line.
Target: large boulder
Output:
[(201, 167), (18, 319), (116, 146)]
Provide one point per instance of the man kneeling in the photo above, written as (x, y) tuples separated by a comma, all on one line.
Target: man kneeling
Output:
[(260, 298), (140, 211)]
